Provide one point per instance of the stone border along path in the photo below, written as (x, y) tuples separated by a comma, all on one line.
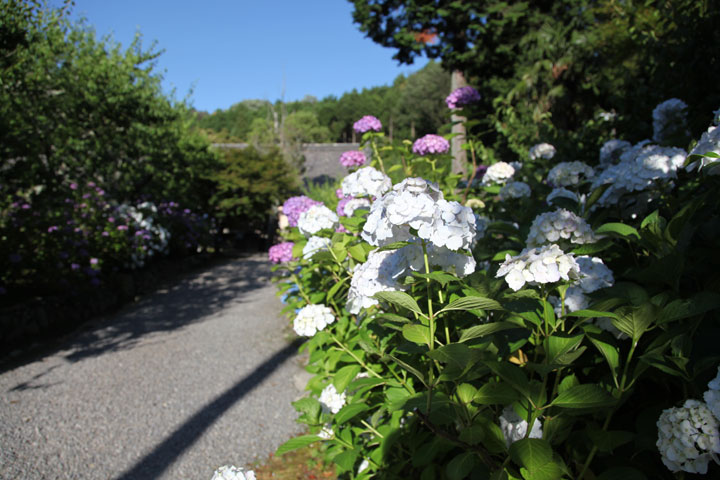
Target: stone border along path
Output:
[(192, 377)]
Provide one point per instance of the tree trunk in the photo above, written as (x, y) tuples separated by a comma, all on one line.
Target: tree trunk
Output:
[(459, 164)]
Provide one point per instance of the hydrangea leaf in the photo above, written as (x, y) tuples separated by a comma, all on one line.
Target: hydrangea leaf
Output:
[(460, 466), (344, 376), (618, 228), (416, 333), (400, 299), (472, 303), (486, 329), (531, 453), (583, 396), (350, 411), (297, 442)]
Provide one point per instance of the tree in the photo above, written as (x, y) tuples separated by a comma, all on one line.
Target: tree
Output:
[(546, 68)]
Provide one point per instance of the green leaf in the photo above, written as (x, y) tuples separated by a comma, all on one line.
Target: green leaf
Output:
[(400, 299), (473, 434), (346, 460), (350, 411), (297, 442), (487, 329), (531, 453), (460, 466), (472, 303), (455, 354), (593, 248), (583, 396), (635, 323), (394, 246), (608, 351), (591, 314), (441, 277), (607, 441), (465, 392), (334, 289), (358, 253), (617, 228), (561, 343), (416, 333), (409, 368), (513, 375), (680, 309), (344, 376), (495, 393), (595, 196)]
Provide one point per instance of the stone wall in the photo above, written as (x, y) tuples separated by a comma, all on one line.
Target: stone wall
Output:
[(321, 159)]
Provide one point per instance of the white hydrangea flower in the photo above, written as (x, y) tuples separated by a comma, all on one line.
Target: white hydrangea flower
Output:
[(331, 400), (515, 428), (639, 168), (514, 190), (612, 149), (381, 272), (561, 193), (565, 174), (709, 142), (712, 396), (516, 165), (688, 437), (231, 472), (669, 120), (366, 182), (316, 218), (453, 226), (418, 204), (542, 150), (594, 274), (553, 227), (363, 466), (534, 266), (499, 172), (314, 245), (311, 319)]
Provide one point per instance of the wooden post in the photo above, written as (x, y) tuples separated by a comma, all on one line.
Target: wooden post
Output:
[(459, 164)]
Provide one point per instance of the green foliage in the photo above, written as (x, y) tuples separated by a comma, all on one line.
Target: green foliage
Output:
[(249, 186)]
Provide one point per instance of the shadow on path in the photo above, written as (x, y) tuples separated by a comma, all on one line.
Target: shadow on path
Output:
[(188, 300), (166, 453)]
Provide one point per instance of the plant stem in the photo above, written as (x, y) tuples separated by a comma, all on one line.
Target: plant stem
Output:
[(377, 155), (369, 370)]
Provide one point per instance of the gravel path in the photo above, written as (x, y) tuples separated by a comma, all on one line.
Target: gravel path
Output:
[(195, 376)]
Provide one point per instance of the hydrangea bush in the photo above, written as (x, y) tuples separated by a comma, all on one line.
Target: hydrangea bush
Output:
[(557, 319)]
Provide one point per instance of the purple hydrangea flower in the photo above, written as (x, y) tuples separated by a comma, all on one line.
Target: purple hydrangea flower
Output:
[(430, 144), (53, 228), (122, 227), (73, 186), (366, 124), (340, 210), (74, 266), (294, 206), (93, 261), (339, 193), (353, 158), (281, 253), (480, 171), (461, 97)]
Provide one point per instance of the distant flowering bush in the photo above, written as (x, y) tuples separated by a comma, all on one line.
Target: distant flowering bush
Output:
[(566, 174), (281, 253), (430, 145), (368, 123), (499, 172), (353, 158), (538, 266), (514, 190), (461, 97), (542, 150), (670, 120), (558, 226)]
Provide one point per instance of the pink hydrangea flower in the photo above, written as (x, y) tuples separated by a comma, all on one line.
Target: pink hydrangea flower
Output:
[(366, 124), (353, 158), (281, 253), (430, 144)]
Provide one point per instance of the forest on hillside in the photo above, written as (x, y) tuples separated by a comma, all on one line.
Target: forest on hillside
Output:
[(411, 107)]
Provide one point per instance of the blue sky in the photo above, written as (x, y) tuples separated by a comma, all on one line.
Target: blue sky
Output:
[(232, 50)]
